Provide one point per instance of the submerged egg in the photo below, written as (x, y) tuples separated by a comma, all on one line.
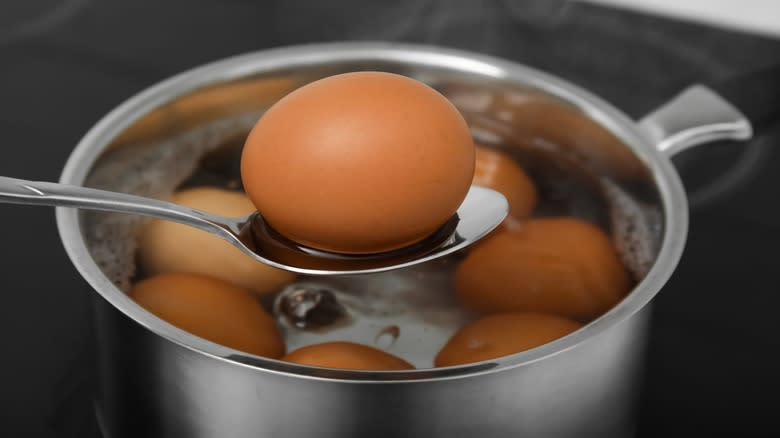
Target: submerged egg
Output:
[(166, 246), (359, 162), (563, 266), (347, 355), (499, 172), (500, 335), (212, 309)]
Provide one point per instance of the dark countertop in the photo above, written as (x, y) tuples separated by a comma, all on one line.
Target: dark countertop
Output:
[(713, 359)]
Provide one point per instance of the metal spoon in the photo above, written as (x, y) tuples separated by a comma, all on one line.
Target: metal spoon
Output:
[(481, 211)]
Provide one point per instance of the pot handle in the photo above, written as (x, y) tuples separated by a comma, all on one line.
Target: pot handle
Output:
[(695, 116), (730, 109), (750, 101)]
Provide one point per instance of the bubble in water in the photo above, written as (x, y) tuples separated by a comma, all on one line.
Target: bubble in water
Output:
[(309, 306), (387, 337), (635, 229)]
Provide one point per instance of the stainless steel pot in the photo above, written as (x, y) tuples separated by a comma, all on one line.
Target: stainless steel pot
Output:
[(157, 380)]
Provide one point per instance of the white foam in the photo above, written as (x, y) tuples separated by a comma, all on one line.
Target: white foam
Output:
[(636, 228), (155, 170)]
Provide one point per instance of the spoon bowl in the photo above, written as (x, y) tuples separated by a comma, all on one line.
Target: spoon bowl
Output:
[(482, 211)]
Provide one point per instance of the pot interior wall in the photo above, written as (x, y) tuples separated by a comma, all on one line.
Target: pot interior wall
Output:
[(580, 168)]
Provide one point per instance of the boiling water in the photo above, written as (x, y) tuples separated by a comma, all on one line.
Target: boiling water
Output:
[(411, 312)]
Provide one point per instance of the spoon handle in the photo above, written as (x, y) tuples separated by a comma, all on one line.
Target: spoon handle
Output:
[(19, 191)]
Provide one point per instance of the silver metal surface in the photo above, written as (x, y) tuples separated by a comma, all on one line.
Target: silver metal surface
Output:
[(153, 388), (695, 116), (158, 380), (481, 212), (698, 115)]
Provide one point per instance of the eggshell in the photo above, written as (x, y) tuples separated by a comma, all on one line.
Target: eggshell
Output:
[(166, 247), (498, 171), (359, 162), (212, 309), (500, 335), (562, 266), (346, 355)]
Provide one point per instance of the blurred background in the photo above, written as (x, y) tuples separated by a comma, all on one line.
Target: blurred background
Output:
[(712, 365)]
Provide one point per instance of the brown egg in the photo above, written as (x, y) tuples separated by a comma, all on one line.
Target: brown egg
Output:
[(562, 266), (212, 309), (359, 162), (502, 334), (496, 170), (166, 246), (347, 355)]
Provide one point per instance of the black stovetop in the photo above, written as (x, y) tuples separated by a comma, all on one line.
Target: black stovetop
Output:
[(712, 365)]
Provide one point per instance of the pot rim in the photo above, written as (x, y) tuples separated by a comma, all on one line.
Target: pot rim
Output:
[(666, 179)]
